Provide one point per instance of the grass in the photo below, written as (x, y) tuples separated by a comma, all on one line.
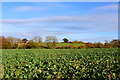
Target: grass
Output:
[(68, 44)]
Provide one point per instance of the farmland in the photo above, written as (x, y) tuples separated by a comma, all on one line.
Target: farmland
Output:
[(69, 44), (60, 63), (62, 44)]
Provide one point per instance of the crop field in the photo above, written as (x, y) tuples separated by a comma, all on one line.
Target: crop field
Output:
[(61, 63)]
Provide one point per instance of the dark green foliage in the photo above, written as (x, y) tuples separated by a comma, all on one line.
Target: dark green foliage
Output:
[(65, 40)]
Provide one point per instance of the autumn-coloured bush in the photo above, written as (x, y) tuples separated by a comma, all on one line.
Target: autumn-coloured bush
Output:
[(8, 46), (90, 45), (75, 47), (78, 42), (82, 47), (81, 42), (75, 41), (3, 42), (99, 45), (32, 44), (107, 45), (58, 47)]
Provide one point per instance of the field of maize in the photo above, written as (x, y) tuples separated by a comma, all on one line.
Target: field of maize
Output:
[(79, 64)]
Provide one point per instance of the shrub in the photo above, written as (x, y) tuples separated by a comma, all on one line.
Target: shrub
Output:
[(51, 45), (90, 45), (107, 45), (115, 43), (32, 44), (75, 47), (8, 45), (82, 47), (99, 45)]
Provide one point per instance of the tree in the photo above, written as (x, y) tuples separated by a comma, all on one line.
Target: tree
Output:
[(0, 42), (65, 40), (11, 39), (115, 43), (10, 42), (3, 42), (18, 40), (51, 39), (24, 40), (37, 39)]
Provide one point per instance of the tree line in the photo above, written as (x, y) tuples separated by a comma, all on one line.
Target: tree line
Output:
[(51, 43)]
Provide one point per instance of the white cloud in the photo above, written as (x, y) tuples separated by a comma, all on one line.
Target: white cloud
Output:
[(28, 8), (91, 23), (108, 7), (64, 19), (108, 18), (45, 19)]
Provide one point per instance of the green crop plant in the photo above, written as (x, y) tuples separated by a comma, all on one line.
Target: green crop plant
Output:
[(56, 64)]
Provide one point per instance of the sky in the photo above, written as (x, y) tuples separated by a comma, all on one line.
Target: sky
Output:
[(60, 0), (82, 21)]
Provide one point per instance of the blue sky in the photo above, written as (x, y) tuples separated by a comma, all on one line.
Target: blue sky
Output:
[(82, 21)]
